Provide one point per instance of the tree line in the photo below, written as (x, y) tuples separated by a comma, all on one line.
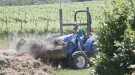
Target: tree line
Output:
[(33, 2), (24, 2)]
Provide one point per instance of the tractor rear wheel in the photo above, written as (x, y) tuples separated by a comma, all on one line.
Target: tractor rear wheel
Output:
[(78, 60), (64, 63), (54, 62)]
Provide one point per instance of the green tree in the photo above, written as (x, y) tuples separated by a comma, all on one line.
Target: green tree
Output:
[(117, 39)]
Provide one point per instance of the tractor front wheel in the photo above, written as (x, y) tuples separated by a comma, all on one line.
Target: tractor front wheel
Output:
[(78, 60), (94, 49)]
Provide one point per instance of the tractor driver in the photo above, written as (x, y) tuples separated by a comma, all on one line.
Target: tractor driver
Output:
[(77, 29), (80, 34)]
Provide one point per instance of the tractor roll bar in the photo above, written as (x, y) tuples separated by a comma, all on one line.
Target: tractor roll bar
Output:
[(89, 21), (82, 11)]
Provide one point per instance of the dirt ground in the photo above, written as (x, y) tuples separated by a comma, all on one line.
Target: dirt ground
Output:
[(22, 61), (13, 63)]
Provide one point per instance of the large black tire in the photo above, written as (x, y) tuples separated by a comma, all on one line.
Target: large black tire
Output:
[(94, 49), (64, 63), (54, 62), (78, 60)]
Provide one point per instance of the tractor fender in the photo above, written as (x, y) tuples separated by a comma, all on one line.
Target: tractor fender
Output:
[(89, 42)]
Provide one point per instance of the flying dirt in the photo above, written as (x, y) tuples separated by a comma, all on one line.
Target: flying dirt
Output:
[(41, 48)]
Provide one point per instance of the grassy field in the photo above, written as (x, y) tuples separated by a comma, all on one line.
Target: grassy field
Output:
[(36, 18)]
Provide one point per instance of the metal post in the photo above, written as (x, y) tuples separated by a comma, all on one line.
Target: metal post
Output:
[(61, 28), (47, 26), (7, 32), (60, 4), (88, 23), (21, 27), (36, 23)]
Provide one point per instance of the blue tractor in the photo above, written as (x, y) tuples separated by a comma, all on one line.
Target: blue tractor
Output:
[(78, 58), (74, 57)]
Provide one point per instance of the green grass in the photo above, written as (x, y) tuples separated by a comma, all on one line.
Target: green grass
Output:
[(87, 71), (74, 72)]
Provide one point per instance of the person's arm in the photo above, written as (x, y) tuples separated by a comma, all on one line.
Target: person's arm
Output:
[(78, 30)]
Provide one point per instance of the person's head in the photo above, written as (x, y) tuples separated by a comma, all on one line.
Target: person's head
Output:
[(75, 24)]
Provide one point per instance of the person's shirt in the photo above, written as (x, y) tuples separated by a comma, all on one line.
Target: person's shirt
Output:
[(79, 30)]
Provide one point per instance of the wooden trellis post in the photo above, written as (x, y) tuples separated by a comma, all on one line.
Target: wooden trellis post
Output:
[(7, 33), (21, 27), (61, 28)]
